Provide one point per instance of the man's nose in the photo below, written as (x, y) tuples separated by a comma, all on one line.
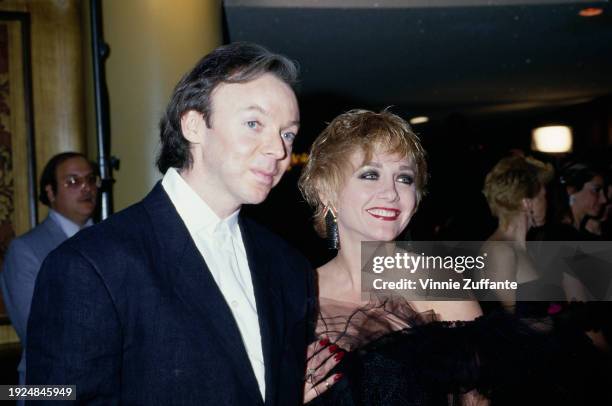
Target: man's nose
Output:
[(274, 146), (86, 187)]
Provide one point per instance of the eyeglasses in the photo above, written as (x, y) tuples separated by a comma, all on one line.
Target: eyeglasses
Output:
[(78, 182)]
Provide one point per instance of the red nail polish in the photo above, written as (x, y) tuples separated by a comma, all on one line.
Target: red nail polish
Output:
[(339, 356), (337, 377), (332, 348), (324, 342)]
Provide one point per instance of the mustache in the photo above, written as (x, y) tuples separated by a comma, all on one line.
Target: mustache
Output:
[(87, 196)]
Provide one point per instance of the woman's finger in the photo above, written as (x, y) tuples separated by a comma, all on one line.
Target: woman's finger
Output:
[(330, 363), (312, 391), (316, 346), (314, 370)]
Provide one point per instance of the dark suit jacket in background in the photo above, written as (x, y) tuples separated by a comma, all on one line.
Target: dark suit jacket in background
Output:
[(129, 313)]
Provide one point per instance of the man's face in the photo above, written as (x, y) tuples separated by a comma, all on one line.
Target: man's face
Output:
[(247, 148), (75, 197)]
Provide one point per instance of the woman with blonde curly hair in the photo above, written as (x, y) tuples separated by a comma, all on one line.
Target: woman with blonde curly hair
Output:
[(516, 192), (365, 178)]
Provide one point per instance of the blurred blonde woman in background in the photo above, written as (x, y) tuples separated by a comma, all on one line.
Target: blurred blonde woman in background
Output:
[(516, 192)]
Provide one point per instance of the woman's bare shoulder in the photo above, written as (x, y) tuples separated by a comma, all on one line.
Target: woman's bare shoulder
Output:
[(450, 310)]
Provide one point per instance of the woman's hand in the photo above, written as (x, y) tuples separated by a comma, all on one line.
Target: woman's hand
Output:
[(322, 358)]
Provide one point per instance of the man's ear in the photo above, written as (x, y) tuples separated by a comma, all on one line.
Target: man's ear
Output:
[(192, 123), (50, 194)]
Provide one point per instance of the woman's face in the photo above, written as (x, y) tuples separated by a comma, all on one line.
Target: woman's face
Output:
[(590, 199), (378, 197), (538, 207)]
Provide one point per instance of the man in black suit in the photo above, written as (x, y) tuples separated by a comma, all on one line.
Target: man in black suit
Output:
[(178, 299)]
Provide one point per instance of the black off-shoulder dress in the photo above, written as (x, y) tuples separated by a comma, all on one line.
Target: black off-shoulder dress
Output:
[(397, 356)]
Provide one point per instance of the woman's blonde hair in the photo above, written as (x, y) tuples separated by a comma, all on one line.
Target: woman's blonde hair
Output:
[(510, 181), (356, 130)]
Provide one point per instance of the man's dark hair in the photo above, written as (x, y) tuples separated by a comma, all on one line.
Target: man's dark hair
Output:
[(576, 174), (238, 62), (49, 173), (573, 174)]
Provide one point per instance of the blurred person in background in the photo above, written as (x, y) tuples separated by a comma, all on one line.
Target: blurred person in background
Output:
[(602, 225), (577, 196), (576, 209), (515, 190), (69, 187)]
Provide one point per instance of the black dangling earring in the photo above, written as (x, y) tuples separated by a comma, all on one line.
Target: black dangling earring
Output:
[(331, 229)]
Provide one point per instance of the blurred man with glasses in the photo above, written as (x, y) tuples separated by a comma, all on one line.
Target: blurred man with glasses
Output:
[(69, 186)]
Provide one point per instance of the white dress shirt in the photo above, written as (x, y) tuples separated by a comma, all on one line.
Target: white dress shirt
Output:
[(220, 244), (69, 227)]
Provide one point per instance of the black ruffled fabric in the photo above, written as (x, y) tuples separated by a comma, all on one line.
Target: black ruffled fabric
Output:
[(496, 356)]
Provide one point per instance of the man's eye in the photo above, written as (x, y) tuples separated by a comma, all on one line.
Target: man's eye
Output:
[(71, 180), (289, 136), (407, 179), (369, 176), (252, 124)]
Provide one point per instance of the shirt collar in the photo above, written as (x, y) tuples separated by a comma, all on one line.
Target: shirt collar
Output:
[(69, 227), (193, 210)]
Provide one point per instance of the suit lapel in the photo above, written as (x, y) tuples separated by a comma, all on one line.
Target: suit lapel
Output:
[(54, 231), (269, 307), (185, 269)]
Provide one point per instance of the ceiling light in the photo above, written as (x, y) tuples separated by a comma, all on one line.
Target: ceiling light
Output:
[(419, 120), (590, 12), (553, 139)]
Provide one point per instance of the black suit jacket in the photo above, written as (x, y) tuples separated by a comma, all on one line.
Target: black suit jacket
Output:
[(128, 312)]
